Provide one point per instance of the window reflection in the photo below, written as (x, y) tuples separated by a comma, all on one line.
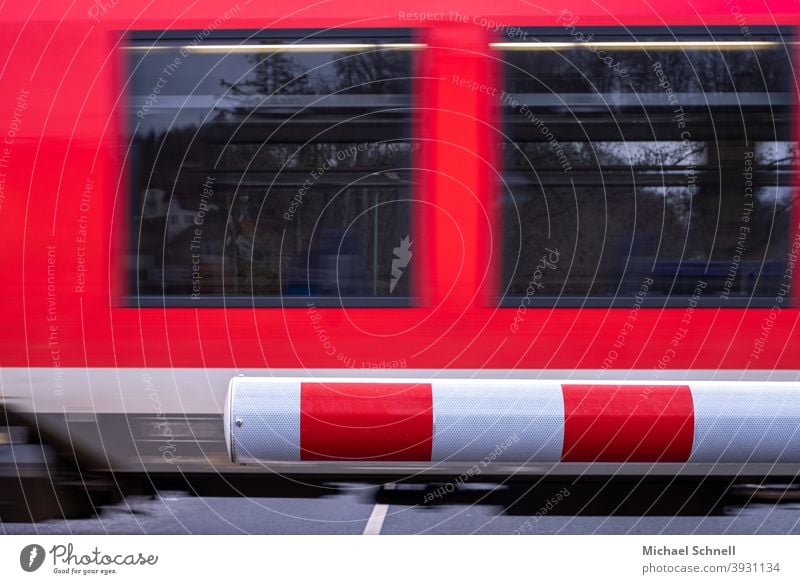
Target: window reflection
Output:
[(269, 173), (675, 173)]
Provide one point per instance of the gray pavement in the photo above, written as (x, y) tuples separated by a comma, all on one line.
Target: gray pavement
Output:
[(413, 509)]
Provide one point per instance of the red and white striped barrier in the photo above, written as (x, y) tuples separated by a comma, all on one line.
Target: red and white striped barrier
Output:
[(291, 419)]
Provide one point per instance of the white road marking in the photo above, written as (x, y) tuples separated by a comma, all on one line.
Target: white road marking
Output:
[(376, 519)]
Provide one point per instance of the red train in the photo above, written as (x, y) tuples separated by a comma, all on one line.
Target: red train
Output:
[(194, 191)]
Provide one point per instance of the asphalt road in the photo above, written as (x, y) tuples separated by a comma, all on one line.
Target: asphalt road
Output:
[(552, 508)]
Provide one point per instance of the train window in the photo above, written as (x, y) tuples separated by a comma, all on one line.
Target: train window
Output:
[(645, 168), (270, 171)]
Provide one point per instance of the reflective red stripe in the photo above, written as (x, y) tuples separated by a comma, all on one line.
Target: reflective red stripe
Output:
[(366, 421), (627, 423)]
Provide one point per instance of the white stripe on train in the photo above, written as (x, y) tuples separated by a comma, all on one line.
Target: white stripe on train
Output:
[(201, 390)]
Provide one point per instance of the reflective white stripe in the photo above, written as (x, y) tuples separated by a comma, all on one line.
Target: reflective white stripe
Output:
[(269, 412), (500, 420), (746, 422), (226, 421)]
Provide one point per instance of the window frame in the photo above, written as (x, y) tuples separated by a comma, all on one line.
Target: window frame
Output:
[(130, 297), (782, 34)]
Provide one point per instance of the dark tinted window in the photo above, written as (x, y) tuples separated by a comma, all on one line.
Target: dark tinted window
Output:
[(661, 166), (270, 171)]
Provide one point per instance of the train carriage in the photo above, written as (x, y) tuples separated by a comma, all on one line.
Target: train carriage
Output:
[(401, 239)]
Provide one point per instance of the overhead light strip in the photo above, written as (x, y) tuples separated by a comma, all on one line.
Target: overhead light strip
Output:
[(628, 45), (298, 48), (513, 46)]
